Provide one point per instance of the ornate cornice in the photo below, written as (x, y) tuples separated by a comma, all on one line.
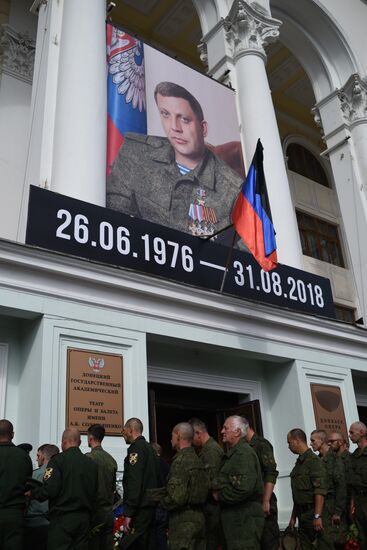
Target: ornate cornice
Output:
[(248, 30), (17, 52), (353, 99)]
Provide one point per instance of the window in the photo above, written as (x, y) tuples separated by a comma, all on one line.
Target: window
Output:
[(320, 239), (301, 161)]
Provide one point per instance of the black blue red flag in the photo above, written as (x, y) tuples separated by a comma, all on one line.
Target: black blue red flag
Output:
[(251, 215)]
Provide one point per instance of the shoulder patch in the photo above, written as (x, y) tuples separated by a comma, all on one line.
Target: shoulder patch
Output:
[(133, 458), (47, 474)]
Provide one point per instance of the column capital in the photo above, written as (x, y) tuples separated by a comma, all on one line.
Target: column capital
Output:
[(353, 100), (17, 52), (249, 30)]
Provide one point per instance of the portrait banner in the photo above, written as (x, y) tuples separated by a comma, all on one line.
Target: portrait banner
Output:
[(94, 391), (174, 149)]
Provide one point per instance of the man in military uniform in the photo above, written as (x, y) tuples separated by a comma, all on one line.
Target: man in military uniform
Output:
[(140, 474), (15, 468), (309, 487), (70, 485), (340, 447), (36, 519), (264, 450), (107, 468), (334, 518), (158, 178), (185, 493), (358, 479), (212, 456), (239, 489)]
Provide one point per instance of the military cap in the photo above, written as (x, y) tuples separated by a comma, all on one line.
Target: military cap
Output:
[(289, 539)]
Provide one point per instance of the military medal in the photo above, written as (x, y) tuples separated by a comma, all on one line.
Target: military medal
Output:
[(203, 218)]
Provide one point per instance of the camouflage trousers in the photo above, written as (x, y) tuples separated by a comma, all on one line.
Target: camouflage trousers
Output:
[(186, 530), (333, 536), (308, 537), (271, 535), (242, 525), (213, 529), (360, 503)]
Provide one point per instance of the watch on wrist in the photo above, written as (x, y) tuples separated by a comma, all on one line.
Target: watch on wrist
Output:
[(317, 516)]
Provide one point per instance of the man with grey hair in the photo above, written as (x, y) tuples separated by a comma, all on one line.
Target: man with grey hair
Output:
[(239, 489), (140, 475), (185, 493), (358, 479)]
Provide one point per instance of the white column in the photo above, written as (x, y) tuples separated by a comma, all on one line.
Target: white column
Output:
[(79, 157), (247, 33)]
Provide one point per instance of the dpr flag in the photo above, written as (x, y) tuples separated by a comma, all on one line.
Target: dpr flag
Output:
[(251, 214), (126, 102)]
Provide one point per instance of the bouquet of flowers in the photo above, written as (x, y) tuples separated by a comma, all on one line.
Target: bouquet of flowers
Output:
[(118, 531), (352, 539)]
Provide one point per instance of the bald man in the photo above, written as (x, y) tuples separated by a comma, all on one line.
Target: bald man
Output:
[(70, 485), (358, 479)]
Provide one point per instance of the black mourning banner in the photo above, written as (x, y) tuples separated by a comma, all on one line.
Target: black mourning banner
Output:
[(74, 227)]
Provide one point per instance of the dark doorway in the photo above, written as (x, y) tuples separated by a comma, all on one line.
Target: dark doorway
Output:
[(169, 405)]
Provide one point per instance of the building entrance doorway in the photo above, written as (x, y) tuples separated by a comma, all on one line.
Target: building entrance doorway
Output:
[(169, 405)]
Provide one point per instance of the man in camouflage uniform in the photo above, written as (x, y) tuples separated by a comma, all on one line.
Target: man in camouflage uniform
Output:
[(107, 468), (340, 447), (140, 474), (15, 468), (70, 486), (212, 456), (239, 489), (264, 450), (334, 519), (158, 178), (185, 493), (358, 479), (309, 487)]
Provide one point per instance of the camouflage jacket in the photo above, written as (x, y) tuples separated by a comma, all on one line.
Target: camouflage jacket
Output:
[(264, 450), (187, 482), (145, 182), (212, 456), (308, 478), (107, 469), (239, 479), (336, 482), (357, 475)]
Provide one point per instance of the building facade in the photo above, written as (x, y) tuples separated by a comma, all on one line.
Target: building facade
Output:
[(299, 70)]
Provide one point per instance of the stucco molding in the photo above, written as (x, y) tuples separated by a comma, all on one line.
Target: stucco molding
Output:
[(248, 30), (353, 99), (17, 53)]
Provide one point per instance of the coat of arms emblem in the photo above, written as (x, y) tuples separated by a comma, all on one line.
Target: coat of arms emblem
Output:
[(96, 364)]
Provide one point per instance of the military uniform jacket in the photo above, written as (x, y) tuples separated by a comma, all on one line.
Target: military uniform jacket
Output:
[(145, 182), (212, 456), (264, 450), (308, 478), (239, 480), (336, 483), (140, 474), (15, 468), (107, 468), (183, 490), (358, 472), (70, 483)]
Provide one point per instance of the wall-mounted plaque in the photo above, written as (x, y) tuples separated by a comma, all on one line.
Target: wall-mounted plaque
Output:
[(328, 409), (94, 391)]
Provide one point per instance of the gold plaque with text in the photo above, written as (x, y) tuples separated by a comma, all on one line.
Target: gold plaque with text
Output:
[(94, 391), (328, 409)]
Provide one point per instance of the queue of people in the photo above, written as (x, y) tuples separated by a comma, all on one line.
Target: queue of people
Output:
[(207, 499)]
